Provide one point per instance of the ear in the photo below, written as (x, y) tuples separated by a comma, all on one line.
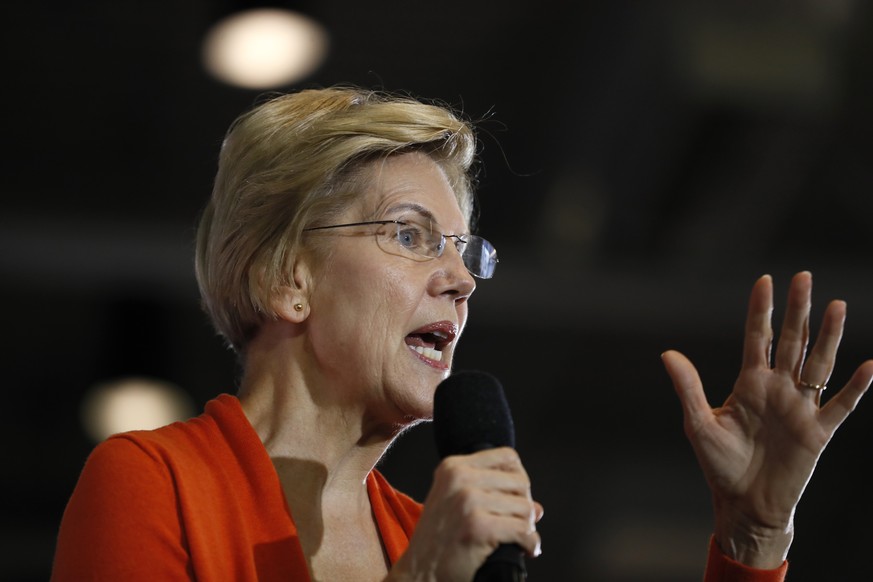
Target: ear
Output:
[(291, 302)]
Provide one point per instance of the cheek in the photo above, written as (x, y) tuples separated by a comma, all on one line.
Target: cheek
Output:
[(365, 312), (401, 295)]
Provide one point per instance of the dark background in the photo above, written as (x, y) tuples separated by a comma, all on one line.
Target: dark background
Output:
[(644, 163)]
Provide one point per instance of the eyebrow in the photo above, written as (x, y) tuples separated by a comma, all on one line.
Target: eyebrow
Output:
[(418, 208)]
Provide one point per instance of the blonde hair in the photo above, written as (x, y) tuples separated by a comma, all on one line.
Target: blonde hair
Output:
[(289, 162)]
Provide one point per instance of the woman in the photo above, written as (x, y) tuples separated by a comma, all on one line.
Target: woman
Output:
[(335, 258)]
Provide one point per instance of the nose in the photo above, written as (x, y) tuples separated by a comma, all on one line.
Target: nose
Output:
[(451, 276)]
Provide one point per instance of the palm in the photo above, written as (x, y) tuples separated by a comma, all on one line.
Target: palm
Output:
[(759, 449), (765, 436)]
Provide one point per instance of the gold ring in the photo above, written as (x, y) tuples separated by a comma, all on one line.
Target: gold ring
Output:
[(817, 387)]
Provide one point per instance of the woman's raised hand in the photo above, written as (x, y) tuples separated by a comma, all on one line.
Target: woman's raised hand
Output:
[(759, 449)]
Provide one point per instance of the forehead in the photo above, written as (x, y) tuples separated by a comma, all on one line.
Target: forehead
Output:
[(412, 183)]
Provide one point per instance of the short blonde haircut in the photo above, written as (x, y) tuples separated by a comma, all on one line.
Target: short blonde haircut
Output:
[(290, 162)]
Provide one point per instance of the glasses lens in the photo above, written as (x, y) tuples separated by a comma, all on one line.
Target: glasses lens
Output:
[(418, 241), (407, 239), (480, 258)]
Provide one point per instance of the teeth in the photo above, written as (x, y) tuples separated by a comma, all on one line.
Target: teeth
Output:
[(429, 353)]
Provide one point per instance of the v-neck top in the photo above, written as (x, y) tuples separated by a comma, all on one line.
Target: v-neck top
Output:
[(197, 500)]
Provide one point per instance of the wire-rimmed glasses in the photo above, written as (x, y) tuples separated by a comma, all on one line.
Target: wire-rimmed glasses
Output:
[(411, 237)]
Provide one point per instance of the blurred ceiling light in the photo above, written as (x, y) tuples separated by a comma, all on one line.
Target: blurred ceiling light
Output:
[(264, 48), (133, 404)]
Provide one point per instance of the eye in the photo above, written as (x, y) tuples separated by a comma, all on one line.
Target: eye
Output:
[(410, 236), (439, 245)]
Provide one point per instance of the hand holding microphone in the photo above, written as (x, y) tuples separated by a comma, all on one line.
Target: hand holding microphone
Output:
[(471, 415), (479, 518)]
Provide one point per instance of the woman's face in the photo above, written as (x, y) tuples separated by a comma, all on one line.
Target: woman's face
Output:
[(384, 323)]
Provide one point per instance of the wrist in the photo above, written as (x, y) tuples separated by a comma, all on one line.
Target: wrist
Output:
[(755, 546)]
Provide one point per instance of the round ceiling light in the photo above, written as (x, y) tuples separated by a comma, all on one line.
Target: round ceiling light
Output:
[(264, 48)]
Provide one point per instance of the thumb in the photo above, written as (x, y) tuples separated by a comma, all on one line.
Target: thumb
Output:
[(688, 387)]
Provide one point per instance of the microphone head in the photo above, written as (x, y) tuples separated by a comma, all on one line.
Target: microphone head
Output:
[(470, 414)]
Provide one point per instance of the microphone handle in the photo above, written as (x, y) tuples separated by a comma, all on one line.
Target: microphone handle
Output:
[(505, 564)]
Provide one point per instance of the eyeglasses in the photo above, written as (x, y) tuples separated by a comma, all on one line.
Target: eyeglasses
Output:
[(413, 239)]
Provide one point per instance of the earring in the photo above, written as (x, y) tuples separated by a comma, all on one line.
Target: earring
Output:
[(298, 307)]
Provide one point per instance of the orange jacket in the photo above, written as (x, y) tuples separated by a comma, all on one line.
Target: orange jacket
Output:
[(201, 500)]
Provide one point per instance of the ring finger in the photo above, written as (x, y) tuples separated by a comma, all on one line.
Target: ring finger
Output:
[(820, 364)]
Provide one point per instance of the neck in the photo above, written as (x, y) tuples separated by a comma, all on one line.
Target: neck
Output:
[(310, 428)]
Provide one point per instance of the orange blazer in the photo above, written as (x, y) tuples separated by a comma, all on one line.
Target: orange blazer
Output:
[(201, 500)]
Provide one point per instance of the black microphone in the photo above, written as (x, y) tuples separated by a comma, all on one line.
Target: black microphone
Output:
[(470, 414)]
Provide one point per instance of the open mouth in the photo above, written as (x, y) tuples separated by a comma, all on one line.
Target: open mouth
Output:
[(430, 341)]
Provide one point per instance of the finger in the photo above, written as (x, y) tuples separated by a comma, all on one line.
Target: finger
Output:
[(495, 458), (689, 388), (468, 472), (539, 510), (473, 501), (820, 364), (499, 529), (759, 332), (502, 460), (794, 335), (508, 505), (844, 402)]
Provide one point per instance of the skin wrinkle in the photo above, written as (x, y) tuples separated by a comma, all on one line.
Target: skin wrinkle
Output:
[(353, 255)]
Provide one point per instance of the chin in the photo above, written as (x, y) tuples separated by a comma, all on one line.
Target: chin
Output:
[(418, 413), (411, 396), (416, 407)]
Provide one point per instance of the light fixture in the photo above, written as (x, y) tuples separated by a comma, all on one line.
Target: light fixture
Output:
[(136, 403), (264, 48)]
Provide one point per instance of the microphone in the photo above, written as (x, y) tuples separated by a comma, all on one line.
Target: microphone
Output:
[(470, 414)]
